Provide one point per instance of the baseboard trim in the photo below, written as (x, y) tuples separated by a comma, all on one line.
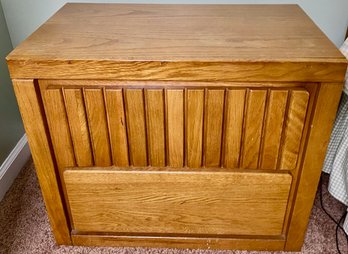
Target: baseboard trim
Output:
[(13, 164)]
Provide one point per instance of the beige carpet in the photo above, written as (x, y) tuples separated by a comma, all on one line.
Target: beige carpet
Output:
[(24, 226)]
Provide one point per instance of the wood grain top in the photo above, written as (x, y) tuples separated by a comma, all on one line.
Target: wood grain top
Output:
[(179, 43), (203, 33)]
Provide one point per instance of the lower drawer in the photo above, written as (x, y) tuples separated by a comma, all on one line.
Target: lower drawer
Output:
[(177, 202)]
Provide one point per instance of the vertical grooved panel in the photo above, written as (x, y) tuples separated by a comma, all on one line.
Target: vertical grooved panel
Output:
[(175, 127), (155, 127), (54, 106), (294, 128), (194, 130), (58, 127), (195, 127), (117, 127), (273, 128), (253, 128), (78, 126), (95, 108), (213, 127), (135, 114), (234, 127)]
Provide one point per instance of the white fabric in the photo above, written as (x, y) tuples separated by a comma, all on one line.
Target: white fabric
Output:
[(336, 160)]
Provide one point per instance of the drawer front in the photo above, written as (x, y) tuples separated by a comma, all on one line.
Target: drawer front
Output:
[(181, 203), (158, 124)]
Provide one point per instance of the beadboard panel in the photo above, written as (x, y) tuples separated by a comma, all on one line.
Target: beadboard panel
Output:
[(214, 127)]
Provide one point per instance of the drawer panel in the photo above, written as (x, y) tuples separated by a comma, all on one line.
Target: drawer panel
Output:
[(177, 202), (110, 123)]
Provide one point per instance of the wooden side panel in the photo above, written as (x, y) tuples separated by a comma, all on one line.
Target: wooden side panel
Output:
[(194, 127), (155, 127), (323, 119), (213, 127), (294, 129), (253, 128), (234, 127), (204, 203), (175, 127), (117, 126), (273, 128), (96, 115), (78, 126), (135, 114), (34, 124), (58, 126)]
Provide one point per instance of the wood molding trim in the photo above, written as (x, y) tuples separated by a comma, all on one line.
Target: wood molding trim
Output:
[(179, 242), (180, 71)]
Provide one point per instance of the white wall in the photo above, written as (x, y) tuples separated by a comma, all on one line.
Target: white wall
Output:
[(11, 128), (14, 150), (24, 16)]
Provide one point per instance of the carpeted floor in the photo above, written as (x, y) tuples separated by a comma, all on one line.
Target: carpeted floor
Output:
[(24, 226)]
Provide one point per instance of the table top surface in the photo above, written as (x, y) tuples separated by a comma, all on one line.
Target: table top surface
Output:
[(175, 33)]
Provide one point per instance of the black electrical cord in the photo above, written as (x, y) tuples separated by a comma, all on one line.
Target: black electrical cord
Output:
[(338, 223), (337, 227)]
